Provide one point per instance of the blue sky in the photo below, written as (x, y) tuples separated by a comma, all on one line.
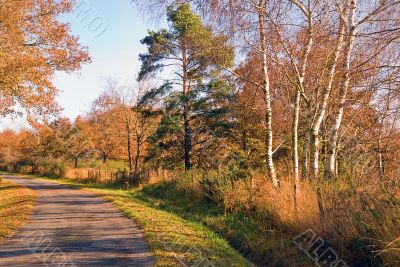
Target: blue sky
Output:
[(112, 31)]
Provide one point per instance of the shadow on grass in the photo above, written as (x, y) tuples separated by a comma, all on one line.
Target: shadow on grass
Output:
[(8, 187), (237, 228), (166, 197)]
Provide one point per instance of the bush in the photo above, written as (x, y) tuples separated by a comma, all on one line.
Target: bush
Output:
[(51, 168), (238, 198), (213, 185), (188, 183)]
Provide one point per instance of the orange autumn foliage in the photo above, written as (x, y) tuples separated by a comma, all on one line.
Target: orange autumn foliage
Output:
[(34, 44)]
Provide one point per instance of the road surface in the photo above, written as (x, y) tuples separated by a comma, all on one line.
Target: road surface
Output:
[(70, 227)]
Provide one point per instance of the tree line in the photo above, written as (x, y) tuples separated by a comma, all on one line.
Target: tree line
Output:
[(320, 77), (264, 83)]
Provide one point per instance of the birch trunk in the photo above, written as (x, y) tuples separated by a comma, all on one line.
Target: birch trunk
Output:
[(295, 129), (267, 97), (321, 109), (296, 114), (295, 145), (381, 166), (334, 133), (295, 136)]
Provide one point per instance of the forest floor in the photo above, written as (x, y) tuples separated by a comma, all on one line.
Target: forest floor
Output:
[(174, 240)]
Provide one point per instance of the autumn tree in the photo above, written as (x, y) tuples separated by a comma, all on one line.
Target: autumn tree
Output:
[(145, 122), (77, 144), (131, 119), (34, 44), (101, 128), (119, 105), (377, 19), (8, 143)]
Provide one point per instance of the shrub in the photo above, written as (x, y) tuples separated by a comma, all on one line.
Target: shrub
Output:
[(188, 182), (213, 185), (238, 198)]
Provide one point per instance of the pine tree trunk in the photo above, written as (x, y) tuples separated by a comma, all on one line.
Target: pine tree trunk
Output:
[(187, 131), (128, 148), (334, 134), (306, 145), (267, 97), (188, 141), (137, 158)]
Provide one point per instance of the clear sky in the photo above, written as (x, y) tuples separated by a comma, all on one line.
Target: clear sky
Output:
[(112, 31)]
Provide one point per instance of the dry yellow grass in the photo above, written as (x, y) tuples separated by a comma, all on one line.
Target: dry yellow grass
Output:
[(365, 219), (16, 203), (280, 204)]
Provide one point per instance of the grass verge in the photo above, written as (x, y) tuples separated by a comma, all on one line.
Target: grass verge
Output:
[(174, 240), (16, 203)]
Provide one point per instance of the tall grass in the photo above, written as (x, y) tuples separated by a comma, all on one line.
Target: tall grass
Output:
[(360, 222)]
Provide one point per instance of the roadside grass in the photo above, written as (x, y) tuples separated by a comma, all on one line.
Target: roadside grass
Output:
[(257, 237), (177, 234), (16, 203)]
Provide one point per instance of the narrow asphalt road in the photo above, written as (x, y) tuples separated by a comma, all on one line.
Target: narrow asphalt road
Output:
[(70, 227)]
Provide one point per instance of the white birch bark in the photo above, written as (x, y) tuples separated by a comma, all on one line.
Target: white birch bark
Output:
[(295, 137), (267, 96), (295, 145), (343, 89), (321, 109), (296, 113)]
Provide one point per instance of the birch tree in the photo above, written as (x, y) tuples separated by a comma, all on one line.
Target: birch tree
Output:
[(343, 88), (321, 106), (377, 19), (266, 90)]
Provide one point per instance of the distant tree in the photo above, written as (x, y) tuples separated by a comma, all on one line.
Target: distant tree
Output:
[(8, 143), (101, 128), (145, 123), (76, 142), (132, 120)]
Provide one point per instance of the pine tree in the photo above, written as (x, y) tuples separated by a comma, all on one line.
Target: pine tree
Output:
[(193, 51)]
